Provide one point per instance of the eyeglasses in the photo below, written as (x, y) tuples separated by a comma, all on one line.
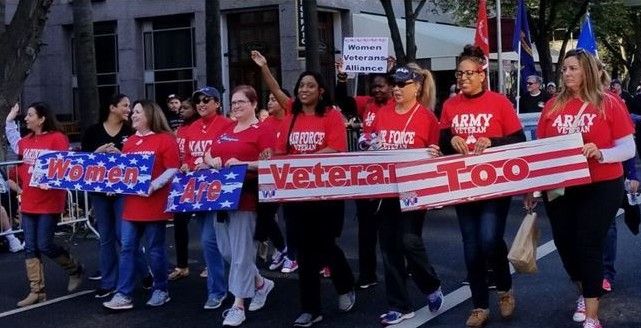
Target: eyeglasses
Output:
[(204, 100), (402, 84), (239, 102), (468, 73), (530, 83)]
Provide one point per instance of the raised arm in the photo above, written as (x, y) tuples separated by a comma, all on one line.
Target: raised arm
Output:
[(11, 128), (269, 79)]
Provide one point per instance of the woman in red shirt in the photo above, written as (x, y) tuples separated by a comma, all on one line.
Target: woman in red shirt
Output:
[(406, 123), (242, 143), (581, 216), (145, 215), (471, 121), (40, 208)]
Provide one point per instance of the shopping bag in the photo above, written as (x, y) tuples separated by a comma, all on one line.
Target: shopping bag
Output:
[(522, 254)]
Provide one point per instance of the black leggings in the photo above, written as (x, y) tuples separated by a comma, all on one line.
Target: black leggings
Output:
[(181, 238), (580, 220), (266, 226)]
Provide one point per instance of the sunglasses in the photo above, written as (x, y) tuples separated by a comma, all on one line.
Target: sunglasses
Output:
[(530, 83), (204, 100), (468, 73), (402, 84)]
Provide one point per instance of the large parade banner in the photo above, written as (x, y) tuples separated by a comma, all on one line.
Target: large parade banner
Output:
[(94, 172), (332, 176), (543, 164), (207, 190)]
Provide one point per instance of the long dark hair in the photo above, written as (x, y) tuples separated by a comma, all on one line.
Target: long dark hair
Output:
[(113, 101), (43, 110), (323, 102)]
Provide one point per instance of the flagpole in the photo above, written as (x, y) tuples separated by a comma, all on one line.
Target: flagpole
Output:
[(518, 80), (499, 46)]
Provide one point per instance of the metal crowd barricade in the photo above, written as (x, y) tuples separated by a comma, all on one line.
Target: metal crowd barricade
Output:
[(353, 133), (77, 207)]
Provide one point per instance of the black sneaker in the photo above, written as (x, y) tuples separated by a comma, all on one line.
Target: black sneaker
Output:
[(96, 276), (102, 293), (148, 282)]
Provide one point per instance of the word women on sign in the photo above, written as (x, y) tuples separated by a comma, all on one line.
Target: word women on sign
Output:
[(365, 55)]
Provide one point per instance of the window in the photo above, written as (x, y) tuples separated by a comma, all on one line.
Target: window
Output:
[(169, 56)]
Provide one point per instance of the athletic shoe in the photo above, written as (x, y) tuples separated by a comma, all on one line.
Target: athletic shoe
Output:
[(234, 316), (592, 323), (15, 245), (478, 318), (346, 301), (289, 266), (393, 317), (178, 273), (607, 286), (506, 303), (325, 272), (158, 298), (579, 313), (366, 284), (119, 302), (203, 274), (260, 297), (102, 293), (435, 300), (307, 320), (214, 302), (277, 260), (148, 282), (96, 276)]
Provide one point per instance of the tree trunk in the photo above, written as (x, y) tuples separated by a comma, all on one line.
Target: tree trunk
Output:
[(394, 32), (312, 39), (635, 67), (213, 47), (19, 48), (566, 37), (410, 40), (2, 13), (85, 63)]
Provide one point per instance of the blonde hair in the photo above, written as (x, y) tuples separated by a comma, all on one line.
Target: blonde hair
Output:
[(591, 88), (427, 91), (155, 116)]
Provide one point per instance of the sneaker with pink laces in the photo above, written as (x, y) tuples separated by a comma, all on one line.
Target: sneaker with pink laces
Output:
[(592, 323), (289, 266), (325, 272), (606, 285), (579, 313)]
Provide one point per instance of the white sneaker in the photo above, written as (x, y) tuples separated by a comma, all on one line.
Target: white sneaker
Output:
[(260, 297), (15, 245), (579, 313), (289, 266), (234, 316), (277, 260)]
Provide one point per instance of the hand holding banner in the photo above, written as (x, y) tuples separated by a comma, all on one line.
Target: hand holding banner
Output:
[(207, 190), (93, 172)]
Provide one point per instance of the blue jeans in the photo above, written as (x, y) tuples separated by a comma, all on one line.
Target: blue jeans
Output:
[(132, 233), (216, 282), (38, 235), (482, 226), (108, 213), (610, 252)]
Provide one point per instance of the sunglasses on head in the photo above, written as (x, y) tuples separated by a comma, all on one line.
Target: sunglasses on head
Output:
[(402, 84)]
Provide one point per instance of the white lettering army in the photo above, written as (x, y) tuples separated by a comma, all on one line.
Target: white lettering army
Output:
[(566, 124), (306, 141), (471, 123)]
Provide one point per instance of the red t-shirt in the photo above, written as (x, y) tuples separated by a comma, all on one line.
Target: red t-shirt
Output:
[(601, 129), (165, 148), (311, 133), (367, 110), (273, 124), (489, 115), (245, 146), (417, 128), (34, 199), (199, 136), (181, 134)]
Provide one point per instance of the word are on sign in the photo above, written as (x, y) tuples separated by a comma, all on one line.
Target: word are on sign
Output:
[(332, 176), (365, 55), (207, 190), (542, 164), (94, 172)]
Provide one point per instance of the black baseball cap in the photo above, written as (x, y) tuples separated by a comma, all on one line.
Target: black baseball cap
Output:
[(403, 73)]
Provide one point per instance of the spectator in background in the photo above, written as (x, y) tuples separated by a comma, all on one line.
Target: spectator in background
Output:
[(534, 100), (262, 115), (551, 89), (615, 86), (173, 111)]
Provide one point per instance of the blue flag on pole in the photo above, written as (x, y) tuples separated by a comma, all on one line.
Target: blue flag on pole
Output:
[(522, 40), (586, 37)]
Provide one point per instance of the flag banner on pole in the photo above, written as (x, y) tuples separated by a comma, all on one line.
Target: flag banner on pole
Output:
[(586, 39), (333, 176), (207, 190), (481, 38), (94, 172), (523, 42), (542, 164)]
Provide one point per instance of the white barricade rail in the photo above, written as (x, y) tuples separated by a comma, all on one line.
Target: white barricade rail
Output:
[(77, 207)]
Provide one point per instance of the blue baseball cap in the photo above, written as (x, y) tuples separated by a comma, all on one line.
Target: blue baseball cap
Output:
[(207, 91), (403, 73)]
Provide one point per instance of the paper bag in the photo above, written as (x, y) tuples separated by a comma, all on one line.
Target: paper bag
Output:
[(522, 254)]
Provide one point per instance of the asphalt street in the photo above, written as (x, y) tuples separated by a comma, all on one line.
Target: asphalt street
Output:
[(544, 299)]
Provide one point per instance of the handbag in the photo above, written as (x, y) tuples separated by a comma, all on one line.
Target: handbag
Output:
[(522, 254)]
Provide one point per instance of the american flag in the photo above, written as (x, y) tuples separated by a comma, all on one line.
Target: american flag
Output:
[(94, 172), (543, 164), (207, 190)]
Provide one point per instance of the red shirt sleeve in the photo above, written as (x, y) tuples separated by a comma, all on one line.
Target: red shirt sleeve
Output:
[(361, 105), (60, 142), (446, 120), (509, 119), (282, 135), (267, 138), (335, 132), (170, 154), (540, 127), (435, 132)]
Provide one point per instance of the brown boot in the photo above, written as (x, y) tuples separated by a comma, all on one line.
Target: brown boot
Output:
[(35, 274), (506, 303), (73, 268), (478, 318)]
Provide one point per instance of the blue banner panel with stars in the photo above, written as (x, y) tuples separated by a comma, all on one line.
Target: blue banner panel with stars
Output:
[(95, 172), (207, 190)]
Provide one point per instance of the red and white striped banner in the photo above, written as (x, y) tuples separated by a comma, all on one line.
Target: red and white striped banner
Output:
[(542, 164), (333, 176)]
